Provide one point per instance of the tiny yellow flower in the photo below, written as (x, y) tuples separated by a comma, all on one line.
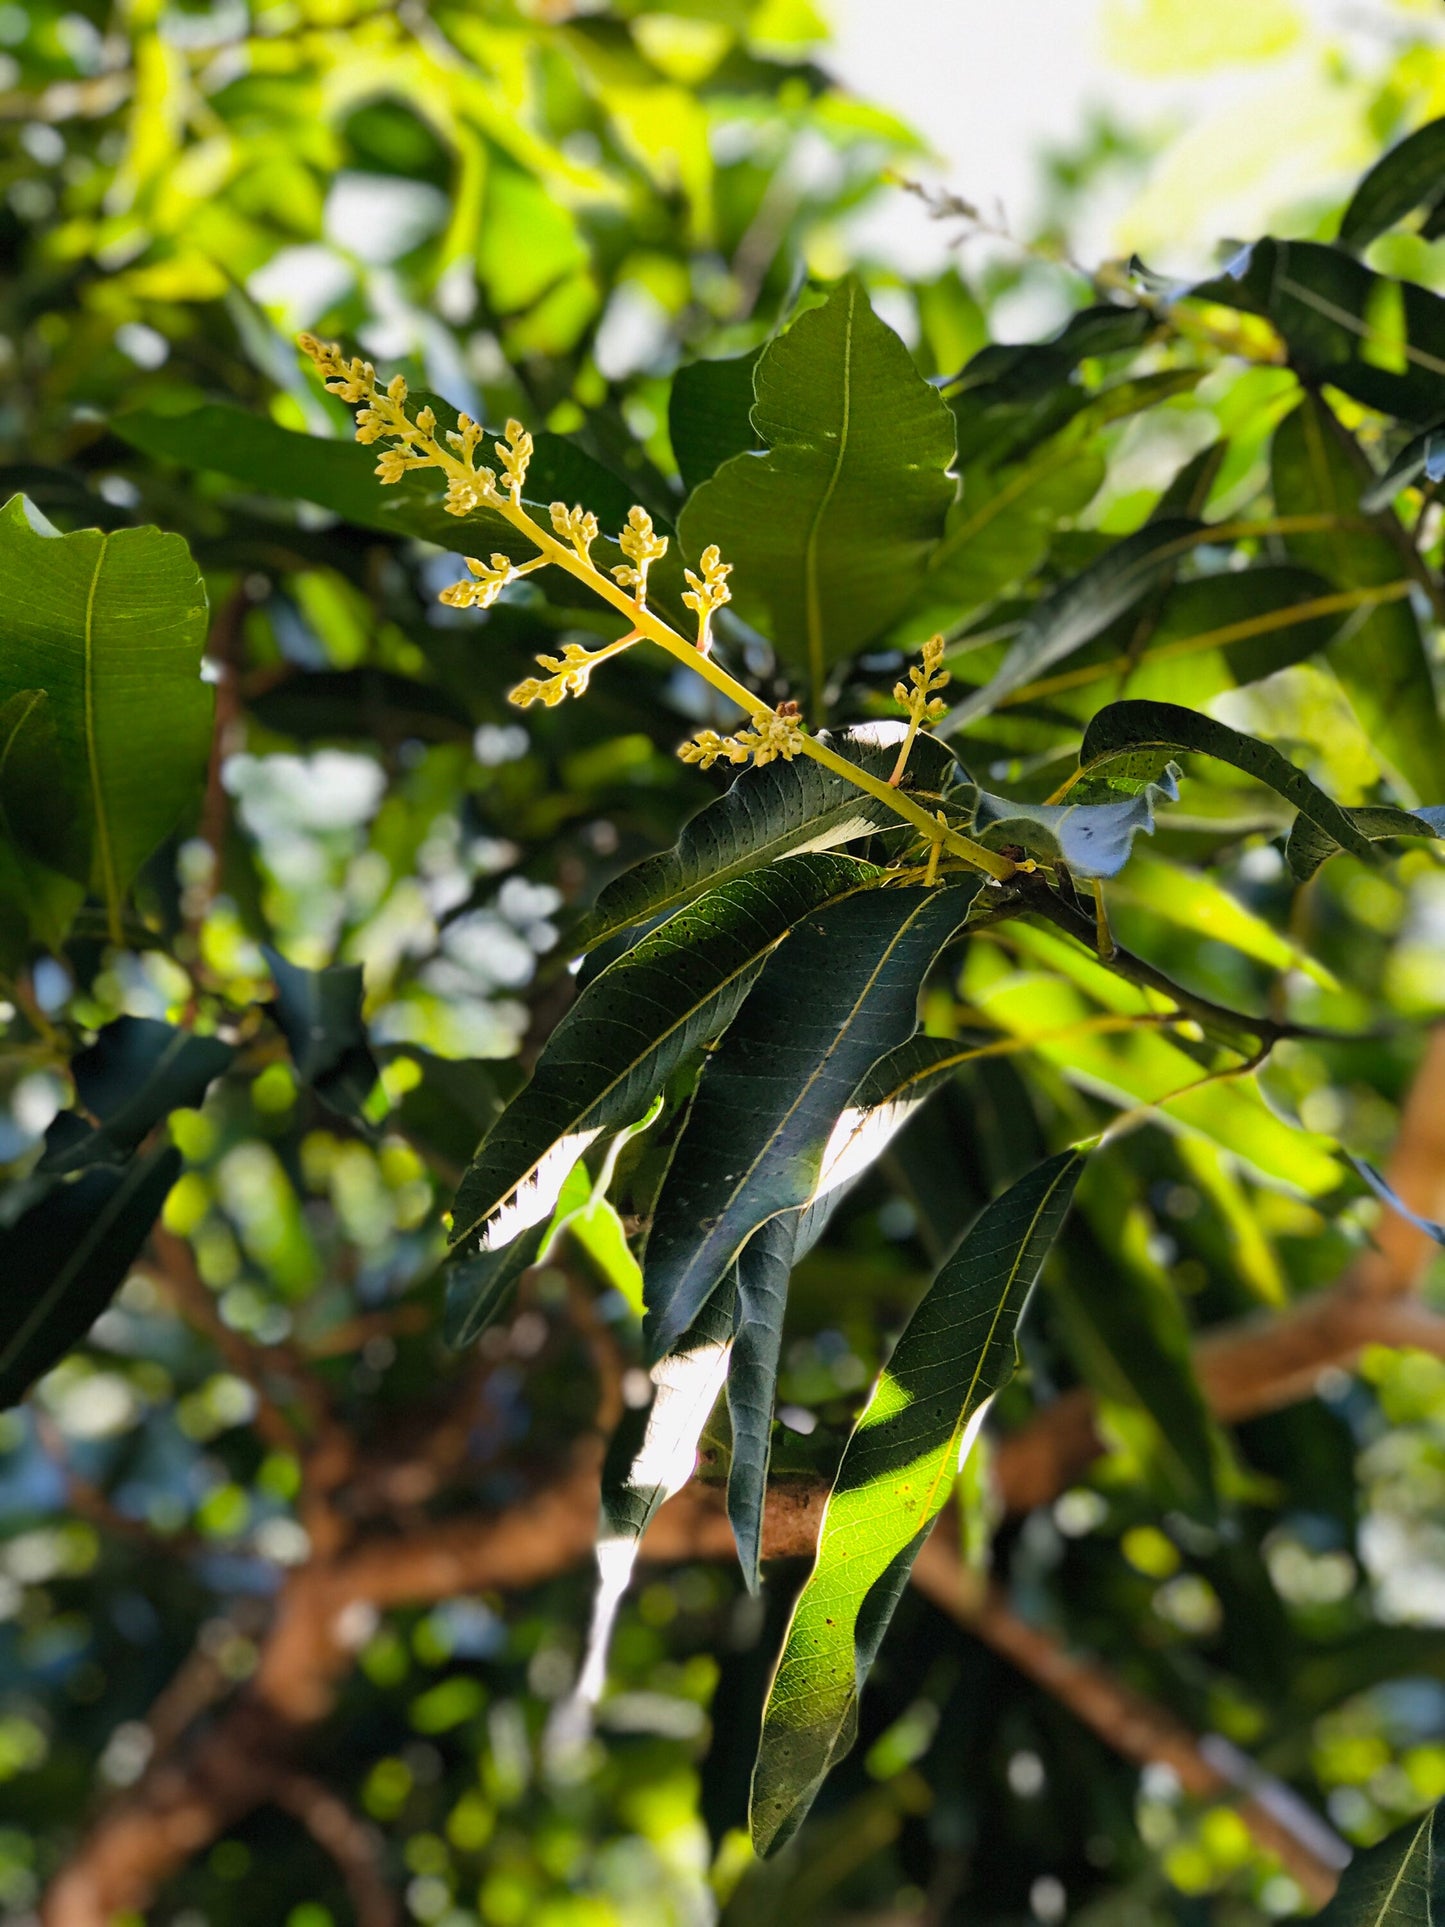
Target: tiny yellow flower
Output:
[(776, 735), (391, 465), (490, 581), (643, 546), (707, 590), (575, 525), (514, 452)]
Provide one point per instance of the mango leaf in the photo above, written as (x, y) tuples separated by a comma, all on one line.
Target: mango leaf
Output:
[(652, 1455), (1309, 846), (36, 901), (883, 1103), (765, 814), (1380, 341), (1384, 1190), (111, 627), (1410, 176), (136, 1072), (1379, 657), (1423, 455), (1077, 611), (319, 1014), (1124, 729), (66, 1256), (842, 991), (1090, 839), (1393, 1884), (478, 1287), (898, 1466), (629, 1030), (827, 531), (709, 415)]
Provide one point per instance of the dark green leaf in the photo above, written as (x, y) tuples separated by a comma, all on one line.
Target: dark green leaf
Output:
[(828, 530), (897, 1469), (1076, 612), (1309, 846), (1379, 656), (1380, 341), (63, 1260), (319, 1014), (111, 627), (767, 813), (709, 415), (630, 1029), (136, 1072), (373, 705), (37, 902), (1124, 729), (842, 991), (478, 1287), (1423, 455), (1393, 1884), (1411, 175), (761, 1281)]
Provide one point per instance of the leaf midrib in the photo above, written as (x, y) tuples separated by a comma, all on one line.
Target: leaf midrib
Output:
[(105, 851), (812, 590)]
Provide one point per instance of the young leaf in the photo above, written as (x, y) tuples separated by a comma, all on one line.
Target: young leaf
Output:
[(1411, 175), (1075, 613), (827, 531), (1309, 846), (766, 813), (111, 627), (136, 1072), (899, 1464), (1393, 1884), (319, 1014), (630, 1029), (66, 1256), (1123, 729), (709, 415), (1379, 656), (842, 991)]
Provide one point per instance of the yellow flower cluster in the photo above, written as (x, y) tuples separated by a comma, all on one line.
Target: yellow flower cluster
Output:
[(577, 526), (921, 701), (775, 734), (707, 590), (569, 676), (491, 579), (642, 546)]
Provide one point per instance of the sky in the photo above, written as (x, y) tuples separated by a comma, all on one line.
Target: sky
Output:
[(988, 82)]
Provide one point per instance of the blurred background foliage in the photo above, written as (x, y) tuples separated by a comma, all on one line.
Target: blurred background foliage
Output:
[(544, 210)]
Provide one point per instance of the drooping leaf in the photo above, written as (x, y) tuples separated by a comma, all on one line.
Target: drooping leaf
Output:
[(1411, 175), (1075, 613), (630, 1029), (897, 1469), (828, 530), (478, 1287), (136, 1072), (1090, 839), (709, 415), (652, 1455), (1379, 656), (1423, 455), (1124, 729), (887, 1098), (1380, 341), (766, 813), (65, 1257), (319, 1014), (1395, 1883), (1309, 846), (842, 991), (111, 627)]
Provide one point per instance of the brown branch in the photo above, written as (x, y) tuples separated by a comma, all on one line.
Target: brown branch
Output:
[(351, 1843)]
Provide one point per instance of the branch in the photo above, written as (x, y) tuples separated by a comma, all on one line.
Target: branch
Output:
[(351, 1843)]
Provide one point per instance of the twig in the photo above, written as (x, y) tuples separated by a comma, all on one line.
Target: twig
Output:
[(352, 1844)]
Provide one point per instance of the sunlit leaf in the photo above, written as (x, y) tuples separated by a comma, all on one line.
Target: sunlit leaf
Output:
[(1392, 1884), (1309, 846)]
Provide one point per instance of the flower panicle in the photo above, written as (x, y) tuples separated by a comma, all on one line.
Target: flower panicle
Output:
[(707, 590), (776, 735), (575, 525), (922, 702), (490, 578), (642, 546), (568, 674)]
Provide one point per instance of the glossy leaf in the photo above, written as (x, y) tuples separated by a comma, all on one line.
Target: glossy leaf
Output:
[(630, 1029), (1075, 613), (765, 814), (1378, 655), (897, 1470), (66, 1256), (136, 1072), (1411, 175), (1380, 341), (709, 415), (1395, 1883), (1309, 846), (1124, 729), (827, 531), (37, 902), (842, 991), (111, 627), (319, 1014)]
